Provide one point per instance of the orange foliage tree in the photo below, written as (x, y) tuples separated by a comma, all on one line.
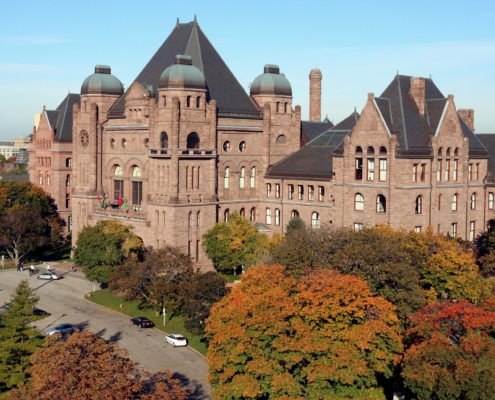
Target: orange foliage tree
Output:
[(451, 355), (86, 367), (324, 336)]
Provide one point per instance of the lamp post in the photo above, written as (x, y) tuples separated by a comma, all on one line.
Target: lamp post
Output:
[(164, 316)]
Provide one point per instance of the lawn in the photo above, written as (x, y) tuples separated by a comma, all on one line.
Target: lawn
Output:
[(229, 277), (135, 309)]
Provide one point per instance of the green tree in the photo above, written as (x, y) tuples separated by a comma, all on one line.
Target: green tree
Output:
[(324, 337), (233, 244), (452, 355), (28, 219), (103, 246), (19, 340), (84, 366), (155, 279), (294, 225), (485, 249)]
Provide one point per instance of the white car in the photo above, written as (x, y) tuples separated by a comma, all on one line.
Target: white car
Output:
[(49, 275), (176, 340)]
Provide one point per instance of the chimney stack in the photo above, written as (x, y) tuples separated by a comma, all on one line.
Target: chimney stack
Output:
[(315, 95), (467, 115), (417, 92)]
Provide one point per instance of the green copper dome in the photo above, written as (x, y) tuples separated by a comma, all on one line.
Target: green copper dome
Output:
[(102, 82), (271, 83), (182, 75)]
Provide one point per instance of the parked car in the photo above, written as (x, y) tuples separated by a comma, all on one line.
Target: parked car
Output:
[(62, 329), (176, 340), (143, 322), (49, 275), (43, 313)]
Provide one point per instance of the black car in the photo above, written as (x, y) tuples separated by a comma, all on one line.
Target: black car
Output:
[(143, 322), (42, 313)]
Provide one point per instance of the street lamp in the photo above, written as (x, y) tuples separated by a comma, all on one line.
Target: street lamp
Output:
[(164, 315)]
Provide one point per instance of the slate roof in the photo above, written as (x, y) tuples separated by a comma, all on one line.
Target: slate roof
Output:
[(222, 85), (312, 129), (488, 141), (61, 118), (414, 131)]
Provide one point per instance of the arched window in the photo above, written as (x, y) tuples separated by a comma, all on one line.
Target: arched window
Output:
[(456, 151), (278, 106), (473, 201), (164, 140), (226, 177), (448, 152), (371, 151), (381, 204), (198, 99), (242, 146), (241, 177), (113, 143), (118, 170), (315, 220), (47, 179), (67, 180), (136, 171), (242, 213), (190, 219), (124, 144), (285, 107), (294, 214), (226, 215), (277, 216), (198, 220), (418, 207), (189, 102), (164, 101), (193, 141), (454, 202), (383, 151), (440, 151), (281, 139), (359, 150), (491, 199), (252, 179), (359, 202), (268, 216), (41, 179), (252, 214)]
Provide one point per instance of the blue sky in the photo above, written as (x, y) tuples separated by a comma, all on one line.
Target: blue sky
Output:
[(48, 48)]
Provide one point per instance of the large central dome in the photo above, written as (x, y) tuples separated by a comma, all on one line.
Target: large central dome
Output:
[(182, 75), (271, 83)]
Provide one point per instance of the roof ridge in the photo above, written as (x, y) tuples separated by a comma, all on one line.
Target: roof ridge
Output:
[(190, 48), (402, 114)]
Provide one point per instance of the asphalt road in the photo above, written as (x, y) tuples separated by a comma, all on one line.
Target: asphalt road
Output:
[(64, 299)]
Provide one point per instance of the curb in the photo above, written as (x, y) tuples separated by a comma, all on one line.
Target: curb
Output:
[(158, 330)]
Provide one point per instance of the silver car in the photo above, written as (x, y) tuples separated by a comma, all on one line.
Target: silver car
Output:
[(49, 275), (62, 329)]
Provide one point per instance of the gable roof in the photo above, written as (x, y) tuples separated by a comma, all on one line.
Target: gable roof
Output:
[(312, 129), (414, 131), (488, 141), (61, 118), (222, 85)]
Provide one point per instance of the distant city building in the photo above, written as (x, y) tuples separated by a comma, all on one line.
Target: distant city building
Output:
[(184, 146)]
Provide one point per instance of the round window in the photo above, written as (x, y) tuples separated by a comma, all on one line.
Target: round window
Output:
[(226, 146), (124, 144), (113, 143), (242, 146)]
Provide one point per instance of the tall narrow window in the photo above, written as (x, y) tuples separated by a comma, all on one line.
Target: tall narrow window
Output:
[(418, 207), (383, 169), (415, 173), (359, 202), (226, 177), (453, 229), (197, 219), (189, 223), (226, 215), (447, 170), (268, 216), (252, 214), (290, 194), (67, 180), (277, 216), (68, 162), (359, 168), (439, 202), (470, 172), (371, 169), (300, 192), (277, 190), (67, 200), (311, 193), (242, 177), (188, 101), (321, 193), (252, 179), (315, 220), (439, 170), (476, 171), (69, 223), (137, 195), (242, 212), (381, 204), (472, 227), (473, 201), (423, 172), (197, 245), (454, 202), (198, 99), (491, 199), (454, 171), (268, 190)]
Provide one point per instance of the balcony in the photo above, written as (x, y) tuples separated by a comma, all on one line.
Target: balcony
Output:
[(182, 153), (160, 153), (128, 213)]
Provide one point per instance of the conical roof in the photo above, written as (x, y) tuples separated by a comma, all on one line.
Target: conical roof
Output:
[(221, 84)]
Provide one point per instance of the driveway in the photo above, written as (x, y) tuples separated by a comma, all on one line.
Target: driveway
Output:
[(64, 299)]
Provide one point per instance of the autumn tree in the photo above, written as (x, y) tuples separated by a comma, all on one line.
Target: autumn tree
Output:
[(87, 367), (103, 246), (19, 339), (28, 219), (324, 337), (451, 355), (233, 244), (155, 278), (485, 249)]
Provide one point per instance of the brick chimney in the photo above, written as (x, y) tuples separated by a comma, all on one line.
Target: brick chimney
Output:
[(315, 95), (417, 92), (467, 116)]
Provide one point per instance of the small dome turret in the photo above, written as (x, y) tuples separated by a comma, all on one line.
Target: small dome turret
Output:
[(182, 75), (271, 83), (102, 82)]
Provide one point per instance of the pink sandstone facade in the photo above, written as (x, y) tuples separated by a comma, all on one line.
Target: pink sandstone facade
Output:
[(185, 146)]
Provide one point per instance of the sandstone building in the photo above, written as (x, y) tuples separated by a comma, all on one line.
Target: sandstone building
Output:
[(185, 145)]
